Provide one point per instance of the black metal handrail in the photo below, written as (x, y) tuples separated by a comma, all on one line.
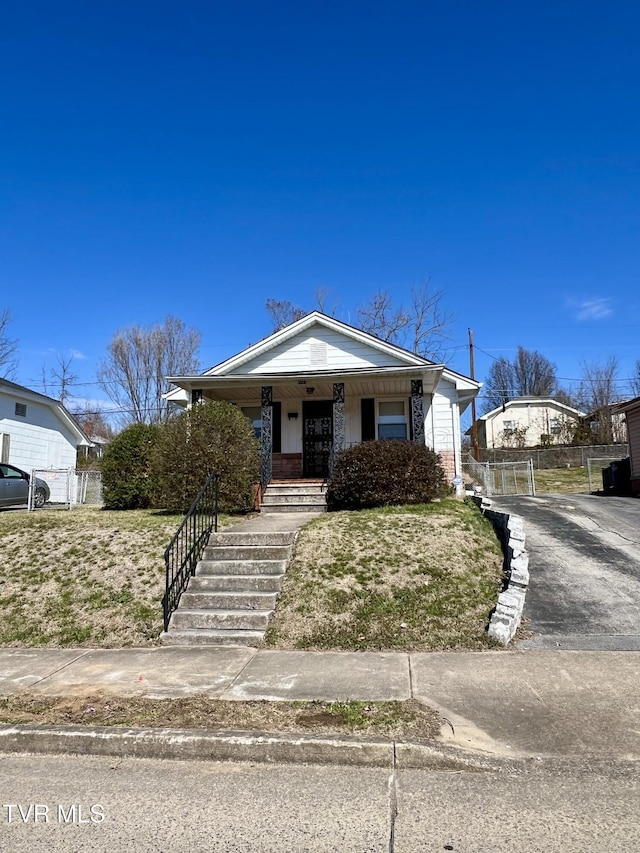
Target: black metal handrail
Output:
[(187, 546)]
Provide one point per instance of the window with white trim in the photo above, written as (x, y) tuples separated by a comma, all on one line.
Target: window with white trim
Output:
[(555, 426), (392, 419)]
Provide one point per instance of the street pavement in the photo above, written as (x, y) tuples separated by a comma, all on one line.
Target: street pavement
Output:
[(88, 804)]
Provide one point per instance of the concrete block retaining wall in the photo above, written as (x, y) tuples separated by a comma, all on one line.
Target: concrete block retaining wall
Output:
[(510, 530)]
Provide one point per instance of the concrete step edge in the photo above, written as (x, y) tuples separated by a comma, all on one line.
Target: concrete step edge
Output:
[(210, 637)]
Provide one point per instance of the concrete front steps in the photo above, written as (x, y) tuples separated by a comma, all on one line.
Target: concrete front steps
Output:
[(232, 596), (295, 496)]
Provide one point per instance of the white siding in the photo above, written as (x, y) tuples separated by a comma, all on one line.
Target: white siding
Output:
[(441, 422), (40, 440), (353, 422), (318, 349), (291, 429)]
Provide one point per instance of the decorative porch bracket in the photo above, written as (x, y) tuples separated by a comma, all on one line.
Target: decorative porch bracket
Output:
[(417, 411), (266, 439), (338, 418)]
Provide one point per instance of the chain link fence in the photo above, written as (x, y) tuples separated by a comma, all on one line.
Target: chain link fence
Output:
[(64, 488), (501, 478), (557, 457)]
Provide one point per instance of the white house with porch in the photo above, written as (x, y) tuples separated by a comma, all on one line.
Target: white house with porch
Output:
[(319, 385)]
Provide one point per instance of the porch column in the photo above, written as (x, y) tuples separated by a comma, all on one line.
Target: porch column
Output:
[(338, 418), (266, 439), (417, 411)]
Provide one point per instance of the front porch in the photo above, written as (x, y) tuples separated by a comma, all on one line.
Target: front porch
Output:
[(303, 421)]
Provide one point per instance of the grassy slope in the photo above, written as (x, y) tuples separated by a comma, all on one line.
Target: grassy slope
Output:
[(406, 577), (422, 577), (83, 577)]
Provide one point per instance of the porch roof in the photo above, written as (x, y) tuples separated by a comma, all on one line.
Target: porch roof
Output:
[(361, 382)]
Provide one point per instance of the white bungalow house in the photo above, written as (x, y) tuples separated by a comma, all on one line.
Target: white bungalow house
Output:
[(319, 385), (36, 431), (527, 422)]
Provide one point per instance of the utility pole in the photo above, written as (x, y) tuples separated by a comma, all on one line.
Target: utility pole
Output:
[(474, 423)]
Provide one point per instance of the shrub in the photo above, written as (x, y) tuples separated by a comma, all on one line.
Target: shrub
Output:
[(384, 473), (211, 437), (125, 466)]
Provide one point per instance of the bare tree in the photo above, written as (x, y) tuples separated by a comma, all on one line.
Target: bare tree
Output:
[(530, 374), (63, 377), (380, 317), (8, 348), (535, 375), (429, 321), (499, 386), (635, 381), (133, 375), (283, 313), (422, 327), (598, 383), (322, 295), (94, 424), (597, 393)]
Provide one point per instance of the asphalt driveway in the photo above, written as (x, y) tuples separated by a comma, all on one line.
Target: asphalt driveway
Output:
[(584, 562)]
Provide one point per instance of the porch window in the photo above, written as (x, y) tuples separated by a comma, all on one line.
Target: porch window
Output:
[(254, 414), (392, 419)]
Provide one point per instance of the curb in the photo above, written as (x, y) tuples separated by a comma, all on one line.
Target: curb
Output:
[(260, 747)]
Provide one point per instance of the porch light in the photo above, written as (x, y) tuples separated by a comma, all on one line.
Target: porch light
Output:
[(293, 416), (310, 390)]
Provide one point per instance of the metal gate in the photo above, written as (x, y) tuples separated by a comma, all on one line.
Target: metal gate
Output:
[(65, 488), (502, 478)]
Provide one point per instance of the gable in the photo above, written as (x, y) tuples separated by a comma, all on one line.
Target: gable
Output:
[(39, 411), (321, 348)]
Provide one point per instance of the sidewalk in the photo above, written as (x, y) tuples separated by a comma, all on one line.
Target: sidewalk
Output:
[(515, 704)]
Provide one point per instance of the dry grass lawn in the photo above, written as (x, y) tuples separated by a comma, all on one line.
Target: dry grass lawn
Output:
[(389, 719), (417, 578), (85, 577), (563, 480)]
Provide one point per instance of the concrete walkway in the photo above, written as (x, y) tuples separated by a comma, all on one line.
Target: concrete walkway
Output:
[(504, 703)]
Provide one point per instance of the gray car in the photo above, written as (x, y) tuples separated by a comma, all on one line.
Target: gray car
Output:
[(14, 487)]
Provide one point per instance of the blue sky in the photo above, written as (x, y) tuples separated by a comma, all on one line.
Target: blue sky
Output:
[(197, 158)]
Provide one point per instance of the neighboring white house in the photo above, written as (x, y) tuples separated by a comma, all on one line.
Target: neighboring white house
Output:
[(527, 422), (36, 431), (320, 385)]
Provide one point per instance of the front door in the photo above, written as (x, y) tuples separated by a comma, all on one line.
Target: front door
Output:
[(317, 438)]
